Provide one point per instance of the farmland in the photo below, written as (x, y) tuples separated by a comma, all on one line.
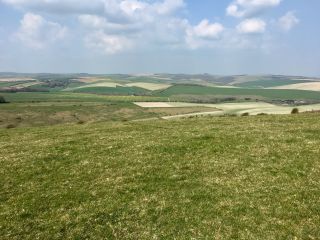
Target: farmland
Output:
[(49, 99)]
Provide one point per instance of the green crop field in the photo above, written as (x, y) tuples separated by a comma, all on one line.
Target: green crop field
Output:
[(112, 91), (9, 84), (260, 93), (199, 178), (268, 83)]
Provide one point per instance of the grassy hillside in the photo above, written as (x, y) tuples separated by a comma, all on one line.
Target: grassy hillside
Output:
[(66, 97), (208, 178)]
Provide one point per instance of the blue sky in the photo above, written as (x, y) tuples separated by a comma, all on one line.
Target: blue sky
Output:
[(175, 36)]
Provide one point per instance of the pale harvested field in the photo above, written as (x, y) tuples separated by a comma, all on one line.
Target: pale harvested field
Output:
[(253, 108), (102, 84), (91, 79), (281, 109), (250, 105), (213, 113), (307, 79), (149, 86), (178, 111), (242, 79), (312, 86), (153, 104), (162, 78), (308, 108), (224, 106), (25, 85)]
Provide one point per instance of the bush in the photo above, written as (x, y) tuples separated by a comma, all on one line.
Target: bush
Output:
[(295, 111), (81, 122), (245, 114), (2, 100), (9, 126), (229, 115)]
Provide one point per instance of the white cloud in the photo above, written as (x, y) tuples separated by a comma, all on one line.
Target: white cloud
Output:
[(252, 25), (96, 22), (203, 33), (37, 32), (248, 8), (139, 22), (169, 6), (58, 6), (110, 44), (111, 8), (288, 21), (206, 30), (114, 26), (93, 21)]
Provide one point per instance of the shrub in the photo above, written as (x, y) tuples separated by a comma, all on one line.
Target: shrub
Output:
[(229, 115), (9, 126), (245, 114), (81, 122), (2, 100), (295, 111)]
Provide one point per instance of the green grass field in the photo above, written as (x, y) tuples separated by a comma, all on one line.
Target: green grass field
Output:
[(9, 84), (199, 178), (268, 83), (256, 93), (113, 91)]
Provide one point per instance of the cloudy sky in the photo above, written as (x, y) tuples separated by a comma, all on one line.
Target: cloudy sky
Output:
[(148, 36)]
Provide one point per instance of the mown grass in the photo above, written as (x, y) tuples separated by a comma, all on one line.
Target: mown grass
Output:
[(205, 178)]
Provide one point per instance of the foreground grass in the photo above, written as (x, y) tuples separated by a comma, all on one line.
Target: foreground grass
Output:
[(210, 178)]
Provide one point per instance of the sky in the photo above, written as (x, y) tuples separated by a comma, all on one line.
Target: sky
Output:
[(222, 37)]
